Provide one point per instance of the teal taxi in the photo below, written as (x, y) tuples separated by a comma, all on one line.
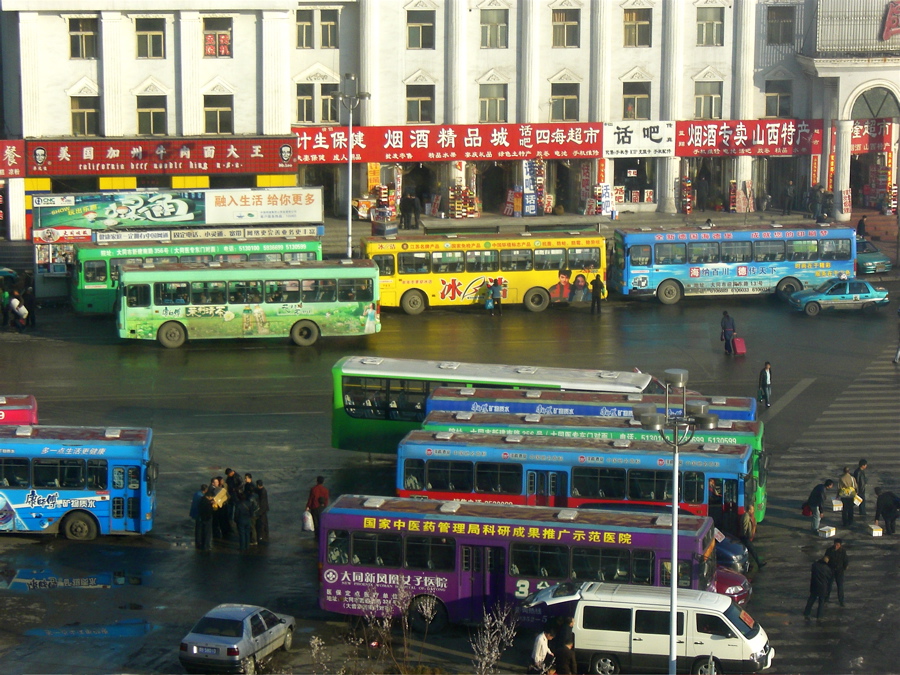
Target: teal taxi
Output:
[(839, 293)]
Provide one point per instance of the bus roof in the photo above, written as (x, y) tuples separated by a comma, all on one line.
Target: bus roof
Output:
[(456, 510), (741, 228), (40, 433), (451, 418), (453, 371), (440, 240), (599, 398), (94, 246), (215, 267), (546, 446)]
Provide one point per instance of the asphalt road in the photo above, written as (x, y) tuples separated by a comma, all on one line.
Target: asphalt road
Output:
[(122, 604)]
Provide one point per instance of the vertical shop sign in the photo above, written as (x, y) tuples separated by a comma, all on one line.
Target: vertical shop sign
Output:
[(529, 199), (585, 181)]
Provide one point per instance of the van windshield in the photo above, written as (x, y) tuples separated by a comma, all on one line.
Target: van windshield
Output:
[(743, 622)]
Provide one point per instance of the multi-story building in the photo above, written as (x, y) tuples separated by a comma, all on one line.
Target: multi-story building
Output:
[(644, 95)]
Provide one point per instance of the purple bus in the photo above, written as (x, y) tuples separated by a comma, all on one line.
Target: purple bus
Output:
[(376, 554)]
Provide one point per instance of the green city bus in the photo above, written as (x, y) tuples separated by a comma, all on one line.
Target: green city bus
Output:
[(727, 432), (175, 302), (96, 266)]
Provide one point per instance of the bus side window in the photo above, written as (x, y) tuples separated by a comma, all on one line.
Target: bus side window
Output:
[(14, 473), (414, 474), (338, 547), (640, 255), (138, 295), (692, 484), (94, 271), (516, 260), (97, 474), (385, 264)]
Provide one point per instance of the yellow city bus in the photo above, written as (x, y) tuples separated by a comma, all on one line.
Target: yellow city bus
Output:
[(534, 268)]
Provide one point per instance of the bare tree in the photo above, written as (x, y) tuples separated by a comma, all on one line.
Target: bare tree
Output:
[(494, 636)]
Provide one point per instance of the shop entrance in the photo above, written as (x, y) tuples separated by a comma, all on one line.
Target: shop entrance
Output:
[(493, 189), (322, 175), (866, 180), (423, 181)]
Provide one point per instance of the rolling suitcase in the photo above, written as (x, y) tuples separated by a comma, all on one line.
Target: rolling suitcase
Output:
[(740, 347)]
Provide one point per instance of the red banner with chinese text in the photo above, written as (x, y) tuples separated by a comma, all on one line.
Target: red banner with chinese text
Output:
[(728, 138)]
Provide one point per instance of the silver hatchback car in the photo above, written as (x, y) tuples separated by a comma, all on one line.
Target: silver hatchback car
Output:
[(235, 639)]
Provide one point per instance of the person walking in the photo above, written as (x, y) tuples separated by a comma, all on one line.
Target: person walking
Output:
[(787, 198), (847, 495), (837, 561), (861, 480), (496, 294), (728, 331), (861, 226), (206, 513), (262, 513), (702, 193), (818, 201), (886, 508), (819, 581), (597, 289), (318, 500), (765, 385), (406, 211), (748, 534), (199, 496), (541, 656), (816, 502)]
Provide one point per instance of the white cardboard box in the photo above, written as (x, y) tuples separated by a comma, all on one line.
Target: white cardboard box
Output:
[(837, 505), (857, 500), (826, 531), (876, 530)]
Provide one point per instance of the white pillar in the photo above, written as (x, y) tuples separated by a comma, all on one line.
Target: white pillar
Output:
[(15, 210), (670, 95), (112, 35), (742, 95), (31, 47), (842, 167), (457, 50), (529, 87), (369, 50), (275, 58), (190, 48)]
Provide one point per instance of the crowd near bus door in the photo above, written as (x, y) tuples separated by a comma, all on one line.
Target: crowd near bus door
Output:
[(546, 488), (125, 498), (723, 507), (483, 577)]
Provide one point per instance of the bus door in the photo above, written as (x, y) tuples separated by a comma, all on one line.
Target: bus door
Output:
[(125, 497), (483, 578), (723, 504), (546, 488)]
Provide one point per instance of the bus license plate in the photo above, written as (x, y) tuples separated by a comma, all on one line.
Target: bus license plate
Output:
[(207, 650)]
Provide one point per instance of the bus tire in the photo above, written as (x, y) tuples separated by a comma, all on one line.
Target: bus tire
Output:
[(419, 611), (702, 666), (413, 302), (304, 333), (669, 292), (787, 286), (812, 308), (536, 299), (79, 527), (604, 664), (171, 335)]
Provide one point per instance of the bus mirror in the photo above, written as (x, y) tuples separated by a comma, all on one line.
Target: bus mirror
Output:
[(152, 471)]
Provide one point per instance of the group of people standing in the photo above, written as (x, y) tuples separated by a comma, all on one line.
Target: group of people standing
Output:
[(231, 505), (554, 649)]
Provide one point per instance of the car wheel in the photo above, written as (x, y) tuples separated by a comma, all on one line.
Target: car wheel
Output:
[(869, 307), (413, 302), (604, 664), (669, 292), (812, 308), (304, 333), (707, 666), (288, 639), (171, 335), (248, 666), (80, 527)]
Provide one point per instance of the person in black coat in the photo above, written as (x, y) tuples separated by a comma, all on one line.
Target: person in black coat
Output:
[(816, 502), (205, 514), (819, 583), (861, 480), (262, 513), (837, 561), (566, 663), (886, 507)]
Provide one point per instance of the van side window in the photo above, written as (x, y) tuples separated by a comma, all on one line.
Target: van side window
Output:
[(650, 622), (710, 624), (607, 618)]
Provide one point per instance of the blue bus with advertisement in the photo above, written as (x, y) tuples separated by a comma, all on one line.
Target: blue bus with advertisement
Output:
[(744, 260), (78, 481)]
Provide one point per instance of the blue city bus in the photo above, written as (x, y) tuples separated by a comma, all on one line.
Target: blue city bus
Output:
[(538, 402), (78, 481), (744, 260)]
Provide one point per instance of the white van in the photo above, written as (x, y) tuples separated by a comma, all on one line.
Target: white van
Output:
[(626, 628)]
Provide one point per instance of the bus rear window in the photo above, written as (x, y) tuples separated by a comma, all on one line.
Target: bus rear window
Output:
[(94, 271), (516, 260)]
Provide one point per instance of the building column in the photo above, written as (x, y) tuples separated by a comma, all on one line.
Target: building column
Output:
[(111, 50), (190, 47), (456, 50), (842, 167), (15, 209), (529, 88), (673, 18), (368, 63), (31, 42), (275, 53), (742, 96)]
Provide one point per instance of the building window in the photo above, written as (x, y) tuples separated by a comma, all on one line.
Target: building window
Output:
[(708, 100), (218, 113), (328, 23), (83, 38), (151, 112), (778, 98), (492, 103), (329, 102), (494, 28), (637, 27), (305, 103), (564, 102), (565, 27), (217, 38), (710, 26), (305, 29), (420, 103), (420, 29), (151, 38), (85, 115), (780, 25), (636, 100)]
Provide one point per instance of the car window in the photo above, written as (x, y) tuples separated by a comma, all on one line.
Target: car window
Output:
[(257, 625), (270, 618), (222, 627), (710, 624), (858, 288), (838, 289)]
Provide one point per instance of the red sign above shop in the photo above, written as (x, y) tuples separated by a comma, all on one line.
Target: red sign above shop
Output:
[(873, 135), (12, 159), (727, 138), (445, 143), (161, 156)]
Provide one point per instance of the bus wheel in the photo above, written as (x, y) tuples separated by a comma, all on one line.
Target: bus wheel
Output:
[(536, 300), (413, 302), (80, 526), (604, 664), (427, 614), (304, 333), (669, 292), (787, 286), (812, 308), (171, 334)]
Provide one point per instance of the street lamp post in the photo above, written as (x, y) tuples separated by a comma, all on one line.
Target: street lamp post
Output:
[(351, 101), (682, 426)]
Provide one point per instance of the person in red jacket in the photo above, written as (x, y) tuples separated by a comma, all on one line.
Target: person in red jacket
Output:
[(318, 500)]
